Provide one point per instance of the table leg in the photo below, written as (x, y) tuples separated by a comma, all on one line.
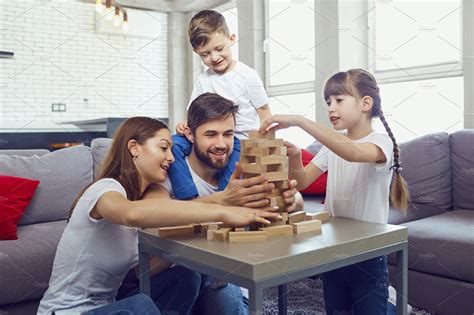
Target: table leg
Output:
[(256, 300), (282, 299), (402, 281), (144, 272)]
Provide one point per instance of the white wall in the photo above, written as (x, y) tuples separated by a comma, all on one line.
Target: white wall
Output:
[(60, 58)]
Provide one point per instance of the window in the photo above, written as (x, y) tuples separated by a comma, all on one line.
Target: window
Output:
[(416, 108), (295, 104), (416, 56), (289, 59), (290, 45)]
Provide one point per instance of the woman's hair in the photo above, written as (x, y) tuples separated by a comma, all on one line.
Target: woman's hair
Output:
[(118, 163), (360, 83)]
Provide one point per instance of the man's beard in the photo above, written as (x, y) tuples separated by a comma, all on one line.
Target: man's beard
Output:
[(203, 156)]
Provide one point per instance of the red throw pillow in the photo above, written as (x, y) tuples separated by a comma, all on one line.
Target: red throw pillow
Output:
[(318, 187), (15, 195)]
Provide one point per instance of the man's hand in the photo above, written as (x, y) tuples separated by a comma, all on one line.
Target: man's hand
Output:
[(250, 192), (291, 198)]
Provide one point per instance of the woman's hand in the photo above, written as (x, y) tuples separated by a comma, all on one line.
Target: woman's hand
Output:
[(239, 216), (279, 122)]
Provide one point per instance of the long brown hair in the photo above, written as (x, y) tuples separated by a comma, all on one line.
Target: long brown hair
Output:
[(358, 82), (118, 163)]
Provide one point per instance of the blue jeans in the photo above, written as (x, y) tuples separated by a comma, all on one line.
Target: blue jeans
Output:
[(137, 304), (180, 177), (361, 288), (174, 290), (227, 299)]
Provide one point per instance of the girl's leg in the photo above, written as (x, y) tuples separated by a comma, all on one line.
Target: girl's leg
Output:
[(174, 290), (223, 300), (369, 286), (136, 304), (336, 294)]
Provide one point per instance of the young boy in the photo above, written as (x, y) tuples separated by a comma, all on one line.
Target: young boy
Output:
[(211, 39)]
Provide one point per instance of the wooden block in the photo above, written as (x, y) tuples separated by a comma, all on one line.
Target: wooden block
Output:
[(270, 143), (280, 151), (239, 229), (323, 216), (283, 167), (254, 134), (283, 221), (171, 231), (222, 235), (282, 184), (271, 159), (247, 159), (255, 151), (248, 236), (214, 226), (276, 176), (277, 201), (278, 230), (296, 216), (307, 226), (210, 234), (253, 168)]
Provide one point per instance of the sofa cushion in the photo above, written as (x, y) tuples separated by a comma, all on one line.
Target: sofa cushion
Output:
[(15, 195), (427, 169), (100, 147), (26, 263), (414, 212), (462, 167), (62, 175), (442, 245), (25, 152)]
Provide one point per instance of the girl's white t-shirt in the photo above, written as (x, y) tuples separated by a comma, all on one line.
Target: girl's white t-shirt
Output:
[(92, 258), (243, 86), (355, 190)]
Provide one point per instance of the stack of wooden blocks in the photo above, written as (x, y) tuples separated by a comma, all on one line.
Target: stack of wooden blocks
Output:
[(260, 155)]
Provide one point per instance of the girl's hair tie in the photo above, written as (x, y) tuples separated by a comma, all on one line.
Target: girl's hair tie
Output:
[(396, 168)]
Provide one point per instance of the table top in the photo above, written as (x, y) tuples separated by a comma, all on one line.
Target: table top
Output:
[(340, 238)]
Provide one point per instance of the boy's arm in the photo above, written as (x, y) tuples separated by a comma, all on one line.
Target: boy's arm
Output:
[(264, 112)]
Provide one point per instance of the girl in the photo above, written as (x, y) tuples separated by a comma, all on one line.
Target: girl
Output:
[(99, 245), (359, 164)]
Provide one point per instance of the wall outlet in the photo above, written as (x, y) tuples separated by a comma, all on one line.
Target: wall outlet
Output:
[(58, 107)]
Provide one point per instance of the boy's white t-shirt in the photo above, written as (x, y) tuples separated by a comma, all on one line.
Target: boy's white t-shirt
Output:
[(355, 190), (92, 258), (243, 86)]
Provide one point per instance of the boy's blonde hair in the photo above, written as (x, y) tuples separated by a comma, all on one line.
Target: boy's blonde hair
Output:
[(203, 25)]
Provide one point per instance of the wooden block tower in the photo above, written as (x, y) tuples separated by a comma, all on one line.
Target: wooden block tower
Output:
[(265, 155)]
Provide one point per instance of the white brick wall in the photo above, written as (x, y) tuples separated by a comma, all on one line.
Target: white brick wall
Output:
[(60, 58)]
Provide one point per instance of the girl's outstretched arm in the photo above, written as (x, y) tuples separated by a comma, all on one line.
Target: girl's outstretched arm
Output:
[(334, 141)]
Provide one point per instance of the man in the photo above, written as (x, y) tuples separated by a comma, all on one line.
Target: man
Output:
[(211, 125)]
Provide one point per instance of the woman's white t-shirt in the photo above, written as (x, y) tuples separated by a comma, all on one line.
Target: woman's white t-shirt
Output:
[(358, 191), (92, 258)]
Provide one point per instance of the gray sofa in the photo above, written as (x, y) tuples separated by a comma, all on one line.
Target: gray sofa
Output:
[(439, 169), (26, 263)]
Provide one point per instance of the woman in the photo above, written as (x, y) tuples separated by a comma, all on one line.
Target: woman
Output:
[(99, 244)]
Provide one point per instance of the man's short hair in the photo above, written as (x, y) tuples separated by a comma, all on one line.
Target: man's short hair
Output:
[(207, 107), (203, 25)]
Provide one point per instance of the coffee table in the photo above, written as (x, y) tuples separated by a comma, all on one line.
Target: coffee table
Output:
[(281, 259)]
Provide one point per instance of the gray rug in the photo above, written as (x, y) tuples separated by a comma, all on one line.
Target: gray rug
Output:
[(305, 296)]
